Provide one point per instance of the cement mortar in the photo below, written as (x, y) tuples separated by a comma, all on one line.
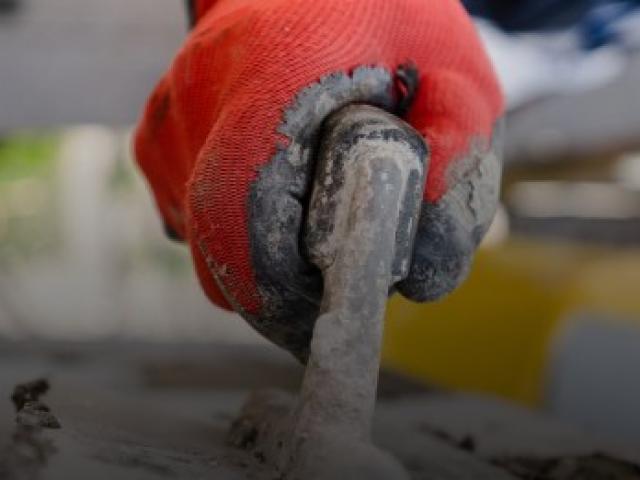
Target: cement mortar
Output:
[(136, 411)]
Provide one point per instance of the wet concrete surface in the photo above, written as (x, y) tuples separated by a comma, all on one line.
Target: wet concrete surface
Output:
[(140, 411)]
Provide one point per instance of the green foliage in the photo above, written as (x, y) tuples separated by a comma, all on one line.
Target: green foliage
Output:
[(27, 155), (27, 167)]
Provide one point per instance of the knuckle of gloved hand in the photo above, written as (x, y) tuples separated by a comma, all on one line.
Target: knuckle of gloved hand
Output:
[(442, 254), (450, 229), (280, 269), (289, 287)]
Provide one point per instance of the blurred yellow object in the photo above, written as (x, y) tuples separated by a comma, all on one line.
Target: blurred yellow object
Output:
[(493, 334)]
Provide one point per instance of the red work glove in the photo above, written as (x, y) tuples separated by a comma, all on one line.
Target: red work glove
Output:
[(228, 136)]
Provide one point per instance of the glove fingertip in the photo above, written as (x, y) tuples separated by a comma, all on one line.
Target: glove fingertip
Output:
[(431, 281)]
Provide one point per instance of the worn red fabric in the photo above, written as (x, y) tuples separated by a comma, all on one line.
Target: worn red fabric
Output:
[(212, 121)]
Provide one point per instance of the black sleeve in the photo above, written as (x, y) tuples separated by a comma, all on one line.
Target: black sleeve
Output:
[(523, 15), (191, 12)]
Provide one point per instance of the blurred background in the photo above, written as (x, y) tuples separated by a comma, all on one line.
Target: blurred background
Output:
[(550, 316)]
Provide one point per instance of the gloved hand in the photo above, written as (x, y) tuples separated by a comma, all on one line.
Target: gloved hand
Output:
[(227, 141)]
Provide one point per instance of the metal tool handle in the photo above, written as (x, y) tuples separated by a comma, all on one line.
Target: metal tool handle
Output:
[(361, 226)]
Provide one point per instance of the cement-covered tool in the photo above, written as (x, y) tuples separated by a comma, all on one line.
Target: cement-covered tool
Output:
[(360, 228)]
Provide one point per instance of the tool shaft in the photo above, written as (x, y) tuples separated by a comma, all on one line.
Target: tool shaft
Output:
[(362, 218)]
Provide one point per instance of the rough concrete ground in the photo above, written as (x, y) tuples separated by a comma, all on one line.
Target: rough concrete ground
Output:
[(140, 411)]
